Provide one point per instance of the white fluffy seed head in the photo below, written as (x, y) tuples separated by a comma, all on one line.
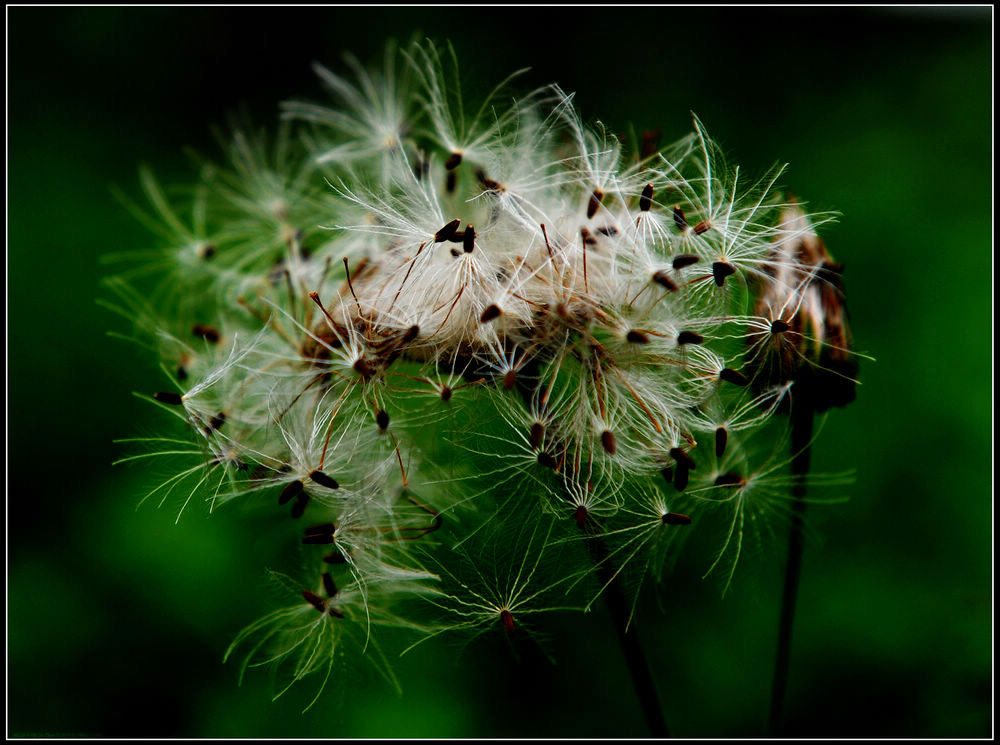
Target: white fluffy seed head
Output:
[(481, 300)]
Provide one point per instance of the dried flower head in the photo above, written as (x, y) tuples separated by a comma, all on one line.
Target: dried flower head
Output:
[(423, 322)]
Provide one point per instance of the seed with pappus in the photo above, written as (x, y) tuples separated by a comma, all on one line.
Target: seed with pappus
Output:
[(492, 355)]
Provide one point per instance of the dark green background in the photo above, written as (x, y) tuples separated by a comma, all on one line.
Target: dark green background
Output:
[(117, 619)]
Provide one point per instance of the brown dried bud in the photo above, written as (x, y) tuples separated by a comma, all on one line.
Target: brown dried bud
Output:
[(811, 348)]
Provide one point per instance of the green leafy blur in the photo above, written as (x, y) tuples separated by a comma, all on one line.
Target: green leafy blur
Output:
[(118, 619)]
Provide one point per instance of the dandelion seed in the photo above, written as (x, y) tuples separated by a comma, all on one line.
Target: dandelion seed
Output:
[(729, 479), (596, 197), (680, 221), (290, 492), (489, 313), (608, 442), (536, 435), (733, 376), (324, 480), (507, 619), (721, 270), (675, 518), (299, 508), (314, 600), (689, 337), (721, 439), (329, 585), (335, 558), (661, 278), (447, 232), (646, 199)]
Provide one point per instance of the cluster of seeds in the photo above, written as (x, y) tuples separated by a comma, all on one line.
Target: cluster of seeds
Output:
[(427, 333)]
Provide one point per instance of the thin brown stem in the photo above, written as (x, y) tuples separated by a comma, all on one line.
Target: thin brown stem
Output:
[(635, 658), (802, 412)]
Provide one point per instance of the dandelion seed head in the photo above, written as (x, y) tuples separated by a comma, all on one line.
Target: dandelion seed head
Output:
[(446, 329)]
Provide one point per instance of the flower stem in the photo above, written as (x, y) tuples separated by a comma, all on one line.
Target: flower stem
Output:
[(635, 659), (802, 411)]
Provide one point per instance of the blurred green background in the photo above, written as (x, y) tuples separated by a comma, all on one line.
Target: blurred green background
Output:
[(117, 618)]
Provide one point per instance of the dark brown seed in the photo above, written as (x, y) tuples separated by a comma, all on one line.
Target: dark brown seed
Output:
[(663, 280), (580, 515), (683, 459), (317, 539), (469, 239), (721, 270), (546, 460), (608, 230), (681, 477), (182, 372), (314, 600), (446, 233), (491, 312), (207, 333), (779, 327), (637, 337), (335, 558), (363, 367), (684, 260), (679, 220), (420, 168), (650, 143), (329, 586), (689, 337), (334, 612), (675, 518), (410, 335), (608, 442), (596, 197), (488, 183), (450, 182), (382, 419), (509, 380), (729, 479), (300, 505), (446, 393), (166, 397), (217, 421), (453, 162), (207, 251), (733, 376), (321, 529), (323, 480), (587, 238), (667, 474), (291, 491), (702, 227), (507, 619), (646, 200), (536, 434), (721, 438)]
